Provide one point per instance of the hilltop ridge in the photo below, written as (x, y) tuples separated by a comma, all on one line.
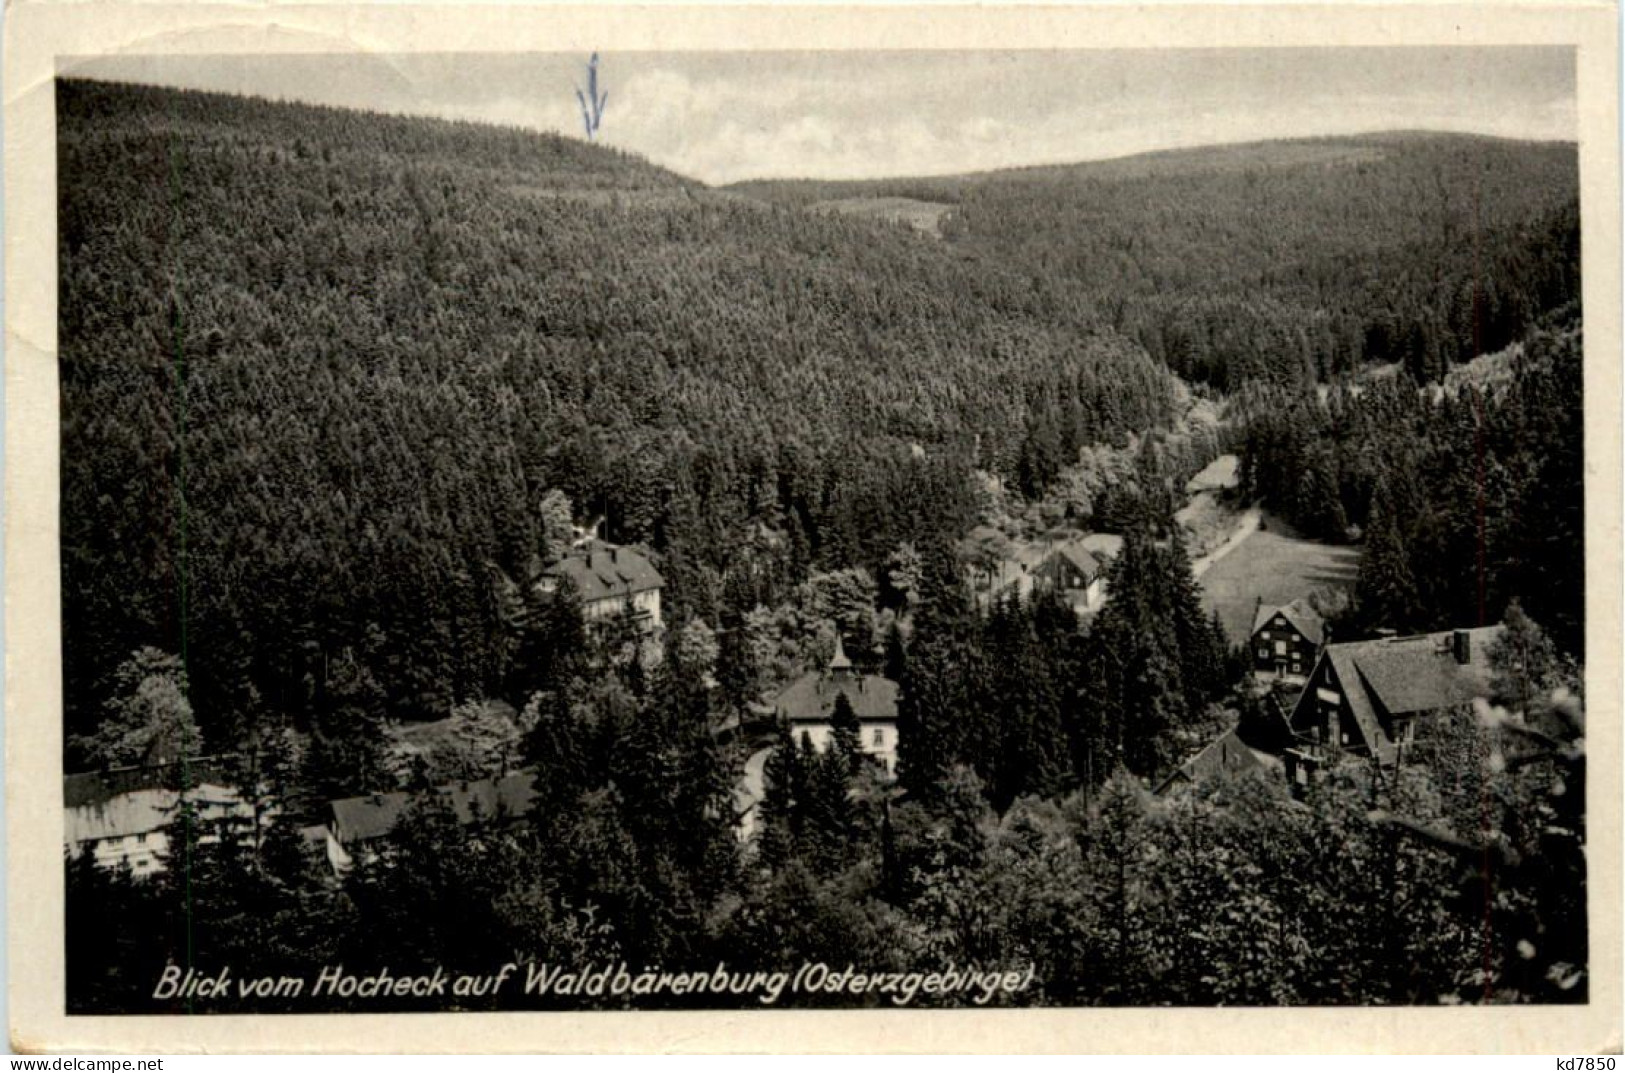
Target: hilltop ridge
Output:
[(1296, 260)]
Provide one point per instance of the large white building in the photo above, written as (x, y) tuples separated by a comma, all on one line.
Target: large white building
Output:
[(121, 815), (608, 578)]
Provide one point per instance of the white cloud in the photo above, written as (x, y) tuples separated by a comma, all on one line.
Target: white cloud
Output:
[(728, 116)]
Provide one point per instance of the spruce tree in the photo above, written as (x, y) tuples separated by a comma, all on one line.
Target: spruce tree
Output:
[(1386, 591), (930, 709), (896, 655), (783, 795), (846, 735)]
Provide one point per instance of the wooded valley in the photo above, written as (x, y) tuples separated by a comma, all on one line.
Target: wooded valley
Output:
[(338, 387)]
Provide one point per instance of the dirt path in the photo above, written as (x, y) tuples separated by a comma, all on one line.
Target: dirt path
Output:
[(1248, 526)]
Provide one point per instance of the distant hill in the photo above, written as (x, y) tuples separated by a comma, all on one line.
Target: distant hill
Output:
[(1295, 259), (318, 368)]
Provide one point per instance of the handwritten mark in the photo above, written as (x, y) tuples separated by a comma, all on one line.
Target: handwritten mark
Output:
[(592, 102)]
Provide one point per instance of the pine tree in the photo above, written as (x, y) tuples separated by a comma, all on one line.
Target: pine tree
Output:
[(829, 823), (1386, 590), (1116, 836), (783, 798), (896, 654), (1201, 659), (553, 642), (930, 709), (1028, 746), (846, 735), (346, 755)]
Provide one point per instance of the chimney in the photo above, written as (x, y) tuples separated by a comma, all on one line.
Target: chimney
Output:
[(1461, 644)]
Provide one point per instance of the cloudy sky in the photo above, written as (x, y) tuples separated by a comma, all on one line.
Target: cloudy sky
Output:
[(721, 117)]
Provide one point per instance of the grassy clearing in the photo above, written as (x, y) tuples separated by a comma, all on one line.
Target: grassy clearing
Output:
[(924, 216), (1221, 474), (1275, 565)]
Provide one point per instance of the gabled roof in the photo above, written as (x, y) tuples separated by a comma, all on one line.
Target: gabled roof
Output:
[(1421, 674), (357, 819), (811, 698), (607, 572), (1077, 554), (1103, 546), (90, 788), (135, 813), (1302, 617), (120, 802), (1407, 676), (375, 815), (1353, 688), (1225, 753)]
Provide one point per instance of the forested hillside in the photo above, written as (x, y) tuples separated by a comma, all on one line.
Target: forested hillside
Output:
[(1294, 260), (1467, 499), (319, 368), (338, 387)]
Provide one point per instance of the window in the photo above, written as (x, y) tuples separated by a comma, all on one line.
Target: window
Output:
[(879, 738), (1280, 648)]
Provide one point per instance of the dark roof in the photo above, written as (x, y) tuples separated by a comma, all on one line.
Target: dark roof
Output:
[(375, 815), (1225, 753), (356, 819), (1303, 618), (811, 698), (607, 572), (1408, 675), (1421, 674), (93, 788), (139, 800)]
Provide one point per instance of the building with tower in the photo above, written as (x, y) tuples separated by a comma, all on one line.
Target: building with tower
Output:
[(808, 705)]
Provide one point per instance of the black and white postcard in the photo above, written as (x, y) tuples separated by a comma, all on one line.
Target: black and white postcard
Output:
[(706, 515)]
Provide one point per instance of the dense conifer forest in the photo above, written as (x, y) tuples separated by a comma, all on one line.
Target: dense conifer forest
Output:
[(336, 386), (1293, 260), (296, 343)]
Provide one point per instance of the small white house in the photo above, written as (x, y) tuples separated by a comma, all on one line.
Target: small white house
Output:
[(808, 705)]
